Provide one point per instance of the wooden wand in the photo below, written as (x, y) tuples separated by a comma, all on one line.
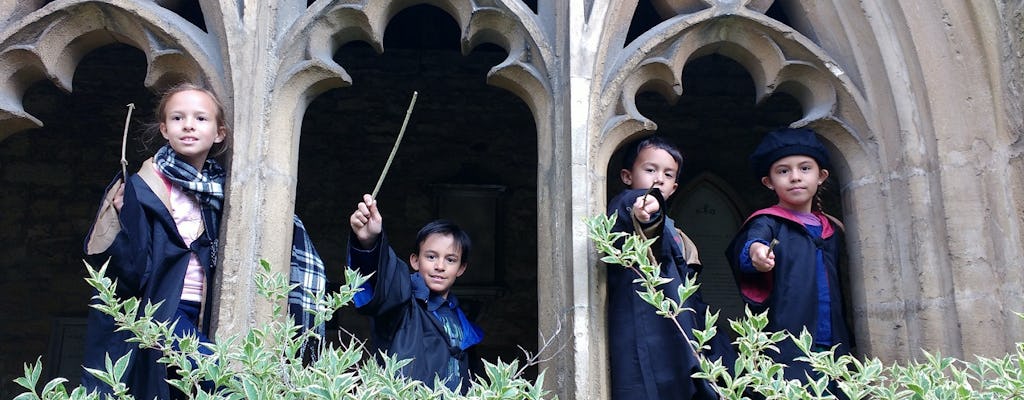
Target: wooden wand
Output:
[(124, 142), (395, 149)]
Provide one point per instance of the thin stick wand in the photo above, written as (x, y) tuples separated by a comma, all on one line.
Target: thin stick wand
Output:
[(124, 142), (395, 149)]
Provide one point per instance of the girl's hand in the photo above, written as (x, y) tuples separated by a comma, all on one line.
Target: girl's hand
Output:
[(761, 257), (119, 197), (366, 222), (644, 207)]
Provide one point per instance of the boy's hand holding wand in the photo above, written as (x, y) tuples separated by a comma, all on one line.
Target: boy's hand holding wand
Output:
[(366, 222), (643, 210)]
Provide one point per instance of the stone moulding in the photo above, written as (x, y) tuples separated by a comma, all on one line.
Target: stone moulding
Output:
[(50, 42), (778, 60), (326, 26)]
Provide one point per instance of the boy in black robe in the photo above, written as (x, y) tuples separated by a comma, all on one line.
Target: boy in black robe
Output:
[(649, 357), (415, 315)]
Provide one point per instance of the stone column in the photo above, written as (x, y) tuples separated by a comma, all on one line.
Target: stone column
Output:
[(258, 215)]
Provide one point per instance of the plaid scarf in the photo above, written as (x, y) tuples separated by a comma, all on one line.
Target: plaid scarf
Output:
[(307, 269), (207, 185)]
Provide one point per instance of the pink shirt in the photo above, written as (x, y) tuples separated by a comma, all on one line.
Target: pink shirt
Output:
[(807, 218), (189, 219)]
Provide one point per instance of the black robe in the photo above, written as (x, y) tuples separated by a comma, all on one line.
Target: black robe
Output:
[(789, 291), (649, 357), (402, 324), (148, 258)]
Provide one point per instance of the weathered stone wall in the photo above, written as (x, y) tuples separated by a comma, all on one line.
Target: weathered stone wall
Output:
[(1012, 66)]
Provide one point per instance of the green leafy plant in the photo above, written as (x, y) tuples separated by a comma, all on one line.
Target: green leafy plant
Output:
[(754, 371), (266, 362)]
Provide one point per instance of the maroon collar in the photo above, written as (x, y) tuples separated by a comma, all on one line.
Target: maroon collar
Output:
[(826, 226)]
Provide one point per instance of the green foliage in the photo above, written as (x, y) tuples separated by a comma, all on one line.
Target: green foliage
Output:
[(266, 362), (937, 378)]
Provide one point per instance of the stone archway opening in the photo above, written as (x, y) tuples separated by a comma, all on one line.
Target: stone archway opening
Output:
[(716, 124), (469, 153)]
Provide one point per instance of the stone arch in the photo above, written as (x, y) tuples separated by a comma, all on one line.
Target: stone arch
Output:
[(779, 60), (294, 66), (755, 42), (69, 160), (306, 71), (464, 135), (49, 43)]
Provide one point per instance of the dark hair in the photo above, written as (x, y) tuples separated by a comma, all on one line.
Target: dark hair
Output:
[(160, 113), (657, 142), (446, 227)]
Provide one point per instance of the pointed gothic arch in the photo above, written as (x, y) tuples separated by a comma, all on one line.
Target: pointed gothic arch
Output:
[(779, 60), (49, 43), (467, 142)]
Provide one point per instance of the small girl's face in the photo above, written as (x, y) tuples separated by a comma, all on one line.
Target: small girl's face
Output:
[(795, 179), (653, 166), (190, 125)]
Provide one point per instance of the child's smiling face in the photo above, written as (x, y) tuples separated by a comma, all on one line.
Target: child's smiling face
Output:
[(190, 125), (439, 262), (653, 166)]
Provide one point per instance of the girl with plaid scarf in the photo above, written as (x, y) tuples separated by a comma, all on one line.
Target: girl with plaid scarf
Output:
[(159, 230)]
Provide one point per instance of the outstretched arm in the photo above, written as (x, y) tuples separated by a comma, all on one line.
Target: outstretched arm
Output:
[(754, 251), (370, 253)]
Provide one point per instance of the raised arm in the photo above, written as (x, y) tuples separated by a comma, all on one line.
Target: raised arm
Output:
[(370, 253)]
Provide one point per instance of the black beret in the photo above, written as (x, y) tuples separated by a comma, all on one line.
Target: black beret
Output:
[(787, 142)]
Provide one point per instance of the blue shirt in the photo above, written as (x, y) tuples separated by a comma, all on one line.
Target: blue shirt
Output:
[(444, 311)]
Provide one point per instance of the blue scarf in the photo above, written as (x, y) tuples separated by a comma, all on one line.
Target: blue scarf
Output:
[(307, 269)]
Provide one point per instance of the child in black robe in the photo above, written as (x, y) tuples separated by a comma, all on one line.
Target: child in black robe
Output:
[(797, 279)]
